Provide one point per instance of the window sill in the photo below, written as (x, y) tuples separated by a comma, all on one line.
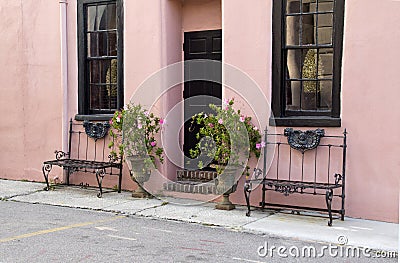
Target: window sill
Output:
[(94, 117), (297, 121)]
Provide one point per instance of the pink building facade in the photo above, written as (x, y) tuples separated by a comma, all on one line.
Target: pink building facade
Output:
[(42, 76)]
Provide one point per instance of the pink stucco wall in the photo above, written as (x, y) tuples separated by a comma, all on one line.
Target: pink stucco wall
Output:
[(201, 15), (32, 95), (30, 91), (370, 92)]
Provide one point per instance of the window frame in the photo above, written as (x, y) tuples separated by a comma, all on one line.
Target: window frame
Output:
[(279, 115), (83, 72)]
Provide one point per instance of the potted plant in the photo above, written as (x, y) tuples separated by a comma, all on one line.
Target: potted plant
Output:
[(138, 145), (232, 140)]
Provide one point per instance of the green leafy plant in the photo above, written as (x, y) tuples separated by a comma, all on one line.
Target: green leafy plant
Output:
[(232, 133), (115, 132), (139, 129)]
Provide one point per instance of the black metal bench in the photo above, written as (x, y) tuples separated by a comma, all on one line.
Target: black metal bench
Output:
[(305, 162), (87, 152)]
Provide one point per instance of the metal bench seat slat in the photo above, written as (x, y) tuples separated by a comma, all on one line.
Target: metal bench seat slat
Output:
[(82, 164)]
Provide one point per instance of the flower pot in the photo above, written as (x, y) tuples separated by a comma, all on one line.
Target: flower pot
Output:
[(225, 184), (140, 175)]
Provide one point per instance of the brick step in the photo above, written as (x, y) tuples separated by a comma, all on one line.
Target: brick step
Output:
[(199, 176), (194, 187)]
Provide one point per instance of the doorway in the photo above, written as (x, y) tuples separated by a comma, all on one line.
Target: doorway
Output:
[(204, 45)]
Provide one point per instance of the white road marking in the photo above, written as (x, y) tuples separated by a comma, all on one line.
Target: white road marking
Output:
[(248, 260), (156, 229), (106, 228), (126, 238)]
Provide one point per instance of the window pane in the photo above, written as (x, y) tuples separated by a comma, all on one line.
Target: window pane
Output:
[(94, 97), (307, 30), (101, 23), (112, 92), (325, 35), (112, 72), (294, 63), (94, 71), (293, 89), (103, 47), (92, 45), (111, 16), (325, 5), (98, 69), (292, 6), (309, 95), (326, 57), (292, 30), (103, 97), (91, 17), (325, 88), (311, 64), (325, 24), (112, 43)]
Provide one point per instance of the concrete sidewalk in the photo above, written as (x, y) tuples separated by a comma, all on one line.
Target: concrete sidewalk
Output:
[(361, 233)]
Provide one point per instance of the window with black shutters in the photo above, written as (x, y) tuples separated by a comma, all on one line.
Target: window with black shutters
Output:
[(307, 51), (100, 56)]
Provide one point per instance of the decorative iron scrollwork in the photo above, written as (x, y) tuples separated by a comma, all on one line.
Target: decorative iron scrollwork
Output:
[(286, 189), (96, 130), (113, 158), (256, 173), (60, 155), (303, 140), (338, 178)]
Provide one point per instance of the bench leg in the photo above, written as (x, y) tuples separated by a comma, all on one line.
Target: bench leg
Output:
[(120, 180), (329, 197), (68, 174), (46, 168), (100, 173), (342, 211), (264, 189), (247, 191)]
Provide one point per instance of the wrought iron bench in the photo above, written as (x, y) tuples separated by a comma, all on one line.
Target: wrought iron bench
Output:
[(304, 162), (87, 152)]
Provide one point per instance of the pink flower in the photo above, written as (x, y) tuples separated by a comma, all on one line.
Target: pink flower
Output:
[(146, 113), (118, 119), (139, 126), (111, 122), (120, 115), (211, 125), (260, 145), (162, 121), (220, 121), (241, 119), (255, 128), (153, 144), (226, 101)]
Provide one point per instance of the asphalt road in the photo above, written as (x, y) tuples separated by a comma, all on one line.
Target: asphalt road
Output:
[(42, 233)]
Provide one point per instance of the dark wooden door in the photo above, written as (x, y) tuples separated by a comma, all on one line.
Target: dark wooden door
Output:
[(205, 45)]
